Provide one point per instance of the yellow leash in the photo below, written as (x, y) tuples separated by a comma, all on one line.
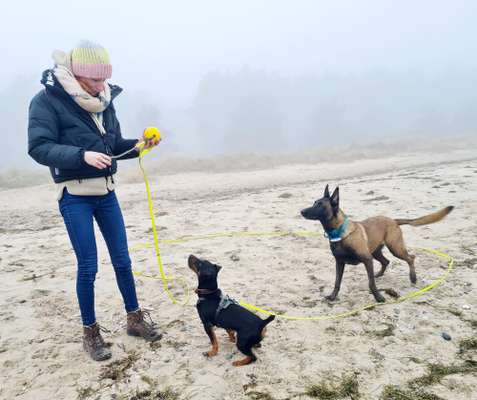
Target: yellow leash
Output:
[(417, 293), (165, 279)]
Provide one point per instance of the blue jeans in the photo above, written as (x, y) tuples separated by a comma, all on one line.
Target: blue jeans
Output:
[(78, 213)]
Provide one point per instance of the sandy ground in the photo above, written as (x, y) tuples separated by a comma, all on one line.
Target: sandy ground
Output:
[(40, 330)]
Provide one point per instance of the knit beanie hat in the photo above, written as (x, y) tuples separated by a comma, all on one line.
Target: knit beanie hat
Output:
[(90, 60)]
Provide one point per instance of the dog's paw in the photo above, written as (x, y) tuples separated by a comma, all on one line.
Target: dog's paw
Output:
[(380, 299), (247, 360), (210, 353), (331, 297)]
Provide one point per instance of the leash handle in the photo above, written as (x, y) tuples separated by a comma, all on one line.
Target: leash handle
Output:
[(138, 147)]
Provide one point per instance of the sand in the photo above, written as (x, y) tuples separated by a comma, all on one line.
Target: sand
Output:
[(40, 336)]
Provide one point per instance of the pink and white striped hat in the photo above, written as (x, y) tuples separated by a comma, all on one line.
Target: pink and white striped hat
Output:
[(90, 60)]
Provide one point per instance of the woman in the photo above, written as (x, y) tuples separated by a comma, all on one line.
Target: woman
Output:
[(73, 129)]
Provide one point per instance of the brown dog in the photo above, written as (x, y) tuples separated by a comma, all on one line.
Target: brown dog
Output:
[(359, 242)]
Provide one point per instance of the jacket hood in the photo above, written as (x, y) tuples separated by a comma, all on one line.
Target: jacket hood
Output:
[(49, 80)]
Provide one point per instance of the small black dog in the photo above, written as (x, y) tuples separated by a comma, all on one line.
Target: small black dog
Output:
[(215, 309)]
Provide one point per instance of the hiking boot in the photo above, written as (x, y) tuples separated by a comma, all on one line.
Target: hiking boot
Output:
[(138, 326), (94, 344)]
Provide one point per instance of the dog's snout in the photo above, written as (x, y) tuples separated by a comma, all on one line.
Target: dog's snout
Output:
[(192, 262)]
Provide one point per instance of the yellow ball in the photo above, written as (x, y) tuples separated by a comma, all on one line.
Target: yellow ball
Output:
[(152, 132)]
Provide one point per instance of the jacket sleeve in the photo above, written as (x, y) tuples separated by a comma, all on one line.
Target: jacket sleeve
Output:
[(43, 137), (123, 144)]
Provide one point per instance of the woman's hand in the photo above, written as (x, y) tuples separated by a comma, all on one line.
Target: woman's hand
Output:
[(151, 142), (97, 160)]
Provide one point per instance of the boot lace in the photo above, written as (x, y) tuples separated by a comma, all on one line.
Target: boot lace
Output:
[(98, 340), (150, 325)]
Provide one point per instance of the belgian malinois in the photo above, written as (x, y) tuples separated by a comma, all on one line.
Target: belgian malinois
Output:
[(354, 242)]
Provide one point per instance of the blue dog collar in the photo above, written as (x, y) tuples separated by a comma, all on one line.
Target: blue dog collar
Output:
[(335, 235)]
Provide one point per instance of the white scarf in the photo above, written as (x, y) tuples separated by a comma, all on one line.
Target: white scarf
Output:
[(66, 78)]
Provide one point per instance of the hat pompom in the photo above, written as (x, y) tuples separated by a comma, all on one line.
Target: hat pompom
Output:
[(60, 58)]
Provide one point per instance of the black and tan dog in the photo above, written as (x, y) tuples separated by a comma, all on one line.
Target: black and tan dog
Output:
[(359, 242), (215, 309)]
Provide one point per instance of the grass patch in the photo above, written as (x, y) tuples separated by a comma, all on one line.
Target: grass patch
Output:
[(260, 396), (84, 393), (155, 345), (167, 394), (415, 387), (472, 322), (175, 344), (117, 370), (455, 312), (392, 392), (151, 382), (467, 344), (347, 388), (468, 262), (370, 308), (388, 331), (436, 372), (391, 292)]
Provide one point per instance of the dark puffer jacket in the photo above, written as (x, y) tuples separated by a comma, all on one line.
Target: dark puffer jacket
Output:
[(60, 131)]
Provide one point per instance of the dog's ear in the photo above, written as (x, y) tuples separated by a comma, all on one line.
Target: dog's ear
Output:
[(335, 200), (327, 192), (218, 268)]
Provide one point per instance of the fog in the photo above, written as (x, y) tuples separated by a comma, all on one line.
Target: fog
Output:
[(256, 76)]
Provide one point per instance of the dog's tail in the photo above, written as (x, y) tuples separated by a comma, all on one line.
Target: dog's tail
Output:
[(266, 321), (426, 219)]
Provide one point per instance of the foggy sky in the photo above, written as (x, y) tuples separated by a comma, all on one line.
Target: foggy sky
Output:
[(163, 50), (165, 47)]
